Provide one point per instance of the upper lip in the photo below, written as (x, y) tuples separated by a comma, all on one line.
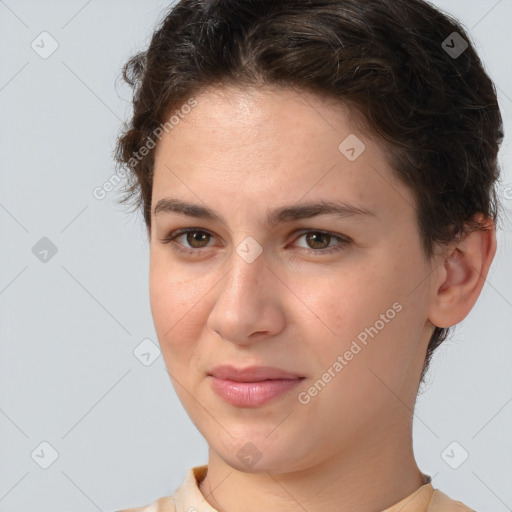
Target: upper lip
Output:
[(251, 373)]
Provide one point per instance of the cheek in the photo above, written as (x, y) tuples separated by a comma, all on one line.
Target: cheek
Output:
[(345, 300), (175, 306), (368, 306)]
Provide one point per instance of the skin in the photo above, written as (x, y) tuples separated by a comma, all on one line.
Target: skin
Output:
[(242, 152)]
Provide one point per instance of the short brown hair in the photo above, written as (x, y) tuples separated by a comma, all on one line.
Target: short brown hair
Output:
[(436, 111)]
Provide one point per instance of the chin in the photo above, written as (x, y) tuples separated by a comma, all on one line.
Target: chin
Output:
[(255, 454)]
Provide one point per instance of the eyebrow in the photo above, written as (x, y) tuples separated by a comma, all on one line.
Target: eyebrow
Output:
[(339, 209)]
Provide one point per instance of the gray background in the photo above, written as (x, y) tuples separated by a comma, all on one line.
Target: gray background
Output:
[(69, 326)]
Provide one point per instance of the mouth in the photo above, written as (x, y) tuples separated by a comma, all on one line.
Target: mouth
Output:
[(252, 373), (253, 386)]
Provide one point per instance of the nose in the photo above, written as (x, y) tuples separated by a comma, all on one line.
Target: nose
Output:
[(248, 306)]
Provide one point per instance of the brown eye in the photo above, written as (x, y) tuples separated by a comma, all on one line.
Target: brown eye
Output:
[(319, 243), (193, 240), (197, 237), (316, 238)]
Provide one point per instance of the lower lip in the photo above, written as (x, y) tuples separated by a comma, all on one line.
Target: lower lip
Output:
[(251, 394)]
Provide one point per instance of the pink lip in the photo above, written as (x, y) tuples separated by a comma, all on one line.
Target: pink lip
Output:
[(252, 386)]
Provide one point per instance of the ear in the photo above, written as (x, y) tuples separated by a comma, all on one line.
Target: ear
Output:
[(461, 275), (148, 230)]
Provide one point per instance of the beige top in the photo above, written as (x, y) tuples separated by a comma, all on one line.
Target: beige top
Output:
[(424, 499)]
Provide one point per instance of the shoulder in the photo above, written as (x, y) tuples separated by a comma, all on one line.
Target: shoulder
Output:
[(440, 502), (165, 504), (188, 493)]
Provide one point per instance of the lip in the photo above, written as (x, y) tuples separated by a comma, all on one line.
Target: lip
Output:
[(252, 386), (251, 373)]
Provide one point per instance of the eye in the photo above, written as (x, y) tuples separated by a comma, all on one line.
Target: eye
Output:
[(191, 238), (315, 239), (198, 239)]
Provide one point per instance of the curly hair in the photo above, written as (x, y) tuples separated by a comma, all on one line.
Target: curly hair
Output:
[(436, 110)]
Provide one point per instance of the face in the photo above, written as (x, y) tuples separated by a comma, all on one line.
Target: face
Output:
[(338, 301)]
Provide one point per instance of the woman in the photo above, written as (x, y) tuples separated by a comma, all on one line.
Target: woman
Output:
[(317, 179)]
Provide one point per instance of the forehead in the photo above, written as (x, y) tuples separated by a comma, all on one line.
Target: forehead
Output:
[(255, 117), (267, 144)]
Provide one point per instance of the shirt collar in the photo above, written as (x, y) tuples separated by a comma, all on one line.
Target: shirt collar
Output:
[(189, 495)]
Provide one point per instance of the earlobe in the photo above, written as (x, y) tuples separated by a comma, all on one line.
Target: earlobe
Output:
[(463, 277)]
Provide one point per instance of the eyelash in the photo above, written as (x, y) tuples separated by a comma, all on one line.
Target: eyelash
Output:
[(316, 252)]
